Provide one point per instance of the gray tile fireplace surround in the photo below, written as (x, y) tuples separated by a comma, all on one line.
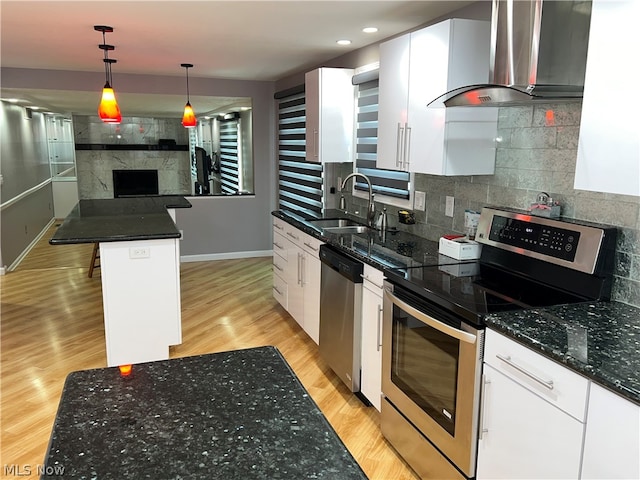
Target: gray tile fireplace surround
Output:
[(95, 170)]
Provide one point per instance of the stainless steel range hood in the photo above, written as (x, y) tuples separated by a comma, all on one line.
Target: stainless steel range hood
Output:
[(538, 53)]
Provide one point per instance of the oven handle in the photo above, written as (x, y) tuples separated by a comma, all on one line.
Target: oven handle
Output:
[(432, 322)]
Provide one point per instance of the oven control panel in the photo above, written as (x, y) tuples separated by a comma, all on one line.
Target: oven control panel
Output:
[(564, 242), (549, 240)]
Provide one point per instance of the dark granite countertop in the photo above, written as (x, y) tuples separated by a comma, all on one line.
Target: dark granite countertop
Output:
[(120, 219), (600, 340), (390, 249), (233, 415)]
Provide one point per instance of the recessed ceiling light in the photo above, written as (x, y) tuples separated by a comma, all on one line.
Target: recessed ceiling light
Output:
[(344, 42), (370, 29)]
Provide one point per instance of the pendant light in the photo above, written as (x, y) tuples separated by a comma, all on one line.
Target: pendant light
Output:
[(108, 109), (189, 117)]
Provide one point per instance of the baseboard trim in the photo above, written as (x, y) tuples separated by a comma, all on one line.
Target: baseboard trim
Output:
[(207, 257), (24, 253)]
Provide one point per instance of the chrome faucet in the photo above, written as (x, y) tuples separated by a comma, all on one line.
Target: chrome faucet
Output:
[(371, 209)]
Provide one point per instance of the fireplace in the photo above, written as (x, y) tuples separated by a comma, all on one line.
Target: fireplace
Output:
[(128, 183)]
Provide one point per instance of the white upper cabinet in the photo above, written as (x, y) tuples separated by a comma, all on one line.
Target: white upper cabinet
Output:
[(414, 70), (330, 114), (609, 142)]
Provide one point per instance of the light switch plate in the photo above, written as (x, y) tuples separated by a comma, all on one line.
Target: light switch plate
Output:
[(448, 209), (419, 201)]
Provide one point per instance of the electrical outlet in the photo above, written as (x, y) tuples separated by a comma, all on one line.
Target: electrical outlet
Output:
[(448, 209), (139, 252), (419, 201)]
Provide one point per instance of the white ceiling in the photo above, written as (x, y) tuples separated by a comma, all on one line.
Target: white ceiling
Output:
[(234, 39)]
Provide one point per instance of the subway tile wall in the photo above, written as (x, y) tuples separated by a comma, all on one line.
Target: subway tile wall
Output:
[(537, 152)]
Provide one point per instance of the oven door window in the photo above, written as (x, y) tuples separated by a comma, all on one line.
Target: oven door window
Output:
[(424, 365)]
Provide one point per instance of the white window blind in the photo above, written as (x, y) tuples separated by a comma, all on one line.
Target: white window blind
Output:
[(299, 182), (229, 161)]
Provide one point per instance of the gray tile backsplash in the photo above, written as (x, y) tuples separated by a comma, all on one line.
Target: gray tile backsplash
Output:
[(537, 151)]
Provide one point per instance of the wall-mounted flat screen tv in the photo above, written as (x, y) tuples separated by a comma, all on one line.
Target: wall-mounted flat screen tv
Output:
[(129, 183)]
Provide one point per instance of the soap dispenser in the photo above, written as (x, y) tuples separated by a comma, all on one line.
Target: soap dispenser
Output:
[(381, 223)]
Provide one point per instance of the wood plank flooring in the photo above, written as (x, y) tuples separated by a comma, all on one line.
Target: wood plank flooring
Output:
[(51, 324)]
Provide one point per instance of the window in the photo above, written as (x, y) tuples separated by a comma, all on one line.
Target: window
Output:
[(299, 182), (229, 161), (385, 182)]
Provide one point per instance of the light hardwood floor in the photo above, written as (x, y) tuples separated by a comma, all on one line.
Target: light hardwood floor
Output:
[(51, 325)]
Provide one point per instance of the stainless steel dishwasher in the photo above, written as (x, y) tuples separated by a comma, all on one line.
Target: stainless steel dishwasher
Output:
[(340, 314)]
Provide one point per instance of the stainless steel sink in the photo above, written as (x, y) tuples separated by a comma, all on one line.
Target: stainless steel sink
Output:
[(339, 225), (334, 223)]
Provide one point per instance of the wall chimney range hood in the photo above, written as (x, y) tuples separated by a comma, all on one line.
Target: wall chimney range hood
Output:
[(538, 53)]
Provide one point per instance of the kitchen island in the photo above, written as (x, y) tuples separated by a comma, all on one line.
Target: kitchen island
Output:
[(140, 271), (233, 415)]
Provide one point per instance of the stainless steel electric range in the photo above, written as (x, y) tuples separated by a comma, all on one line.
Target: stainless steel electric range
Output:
[(433, 326)]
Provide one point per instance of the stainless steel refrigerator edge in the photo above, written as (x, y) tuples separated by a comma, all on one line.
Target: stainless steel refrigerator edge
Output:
[(340, 315)]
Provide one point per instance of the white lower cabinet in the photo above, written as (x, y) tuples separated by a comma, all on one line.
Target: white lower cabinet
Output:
[(296, 271), (371, 354), (532, 415), (612, 439)]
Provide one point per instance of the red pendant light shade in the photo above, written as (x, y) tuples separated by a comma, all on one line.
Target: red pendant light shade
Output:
[(108, 110), (189, 119)]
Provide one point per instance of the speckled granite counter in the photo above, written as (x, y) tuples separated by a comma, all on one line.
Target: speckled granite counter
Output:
[(232, 415), (600, 340), (120, 219), (391, 249)]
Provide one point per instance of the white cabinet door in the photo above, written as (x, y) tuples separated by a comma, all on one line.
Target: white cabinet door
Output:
[(393, 101), (609, 142), (311, 272), (612, 439), (330, 115), (371, 357), (295, 291), (523, 436), (416, 69)]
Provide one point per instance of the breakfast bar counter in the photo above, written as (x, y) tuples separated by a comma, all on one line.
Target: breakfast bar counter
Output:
[(233, 415), (139, 268)]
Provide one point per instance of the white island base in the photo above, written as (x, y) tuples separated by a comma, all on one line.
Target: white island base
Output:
[(141, 299)]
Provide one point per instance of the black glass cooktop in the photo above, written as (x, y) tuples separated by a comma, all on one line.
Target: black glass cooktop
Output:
[(473, 289)]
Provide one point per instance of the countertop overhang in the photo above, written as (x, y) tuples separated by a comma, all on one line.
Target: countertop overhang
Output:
[(120, 219)]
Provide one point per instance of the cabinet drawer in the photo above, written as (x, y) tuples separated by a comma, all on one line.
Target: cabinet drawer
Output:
[(279, 246), (551, 381), (373, 279), (293, 234), (280, 292), (279, 225), (311, 244), (279, 265)]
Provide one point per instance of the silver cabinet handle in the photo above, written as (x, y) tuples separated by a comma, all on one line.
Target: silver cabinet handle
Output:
[(277, 290), (278, 245), (399, 137), (379, 328), (299, 270), (311, 246), (278, 267), (366, 277), (316, 144), (295, 237), (483, 393), (407, 147), (545, 383), (279, 227), (303, 259), (432, 322)]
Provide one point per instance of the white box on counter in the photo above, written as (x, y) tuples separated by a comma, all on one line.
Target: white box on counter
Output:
[(460, 248)]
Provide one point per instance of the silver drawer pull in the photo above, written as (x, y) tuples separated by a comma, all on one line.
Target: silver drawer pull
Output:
[(293, 236), (277, 291), (278, 267), (545, 383), (279, 227), (366, 277), (278, 245), (311, 246)]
